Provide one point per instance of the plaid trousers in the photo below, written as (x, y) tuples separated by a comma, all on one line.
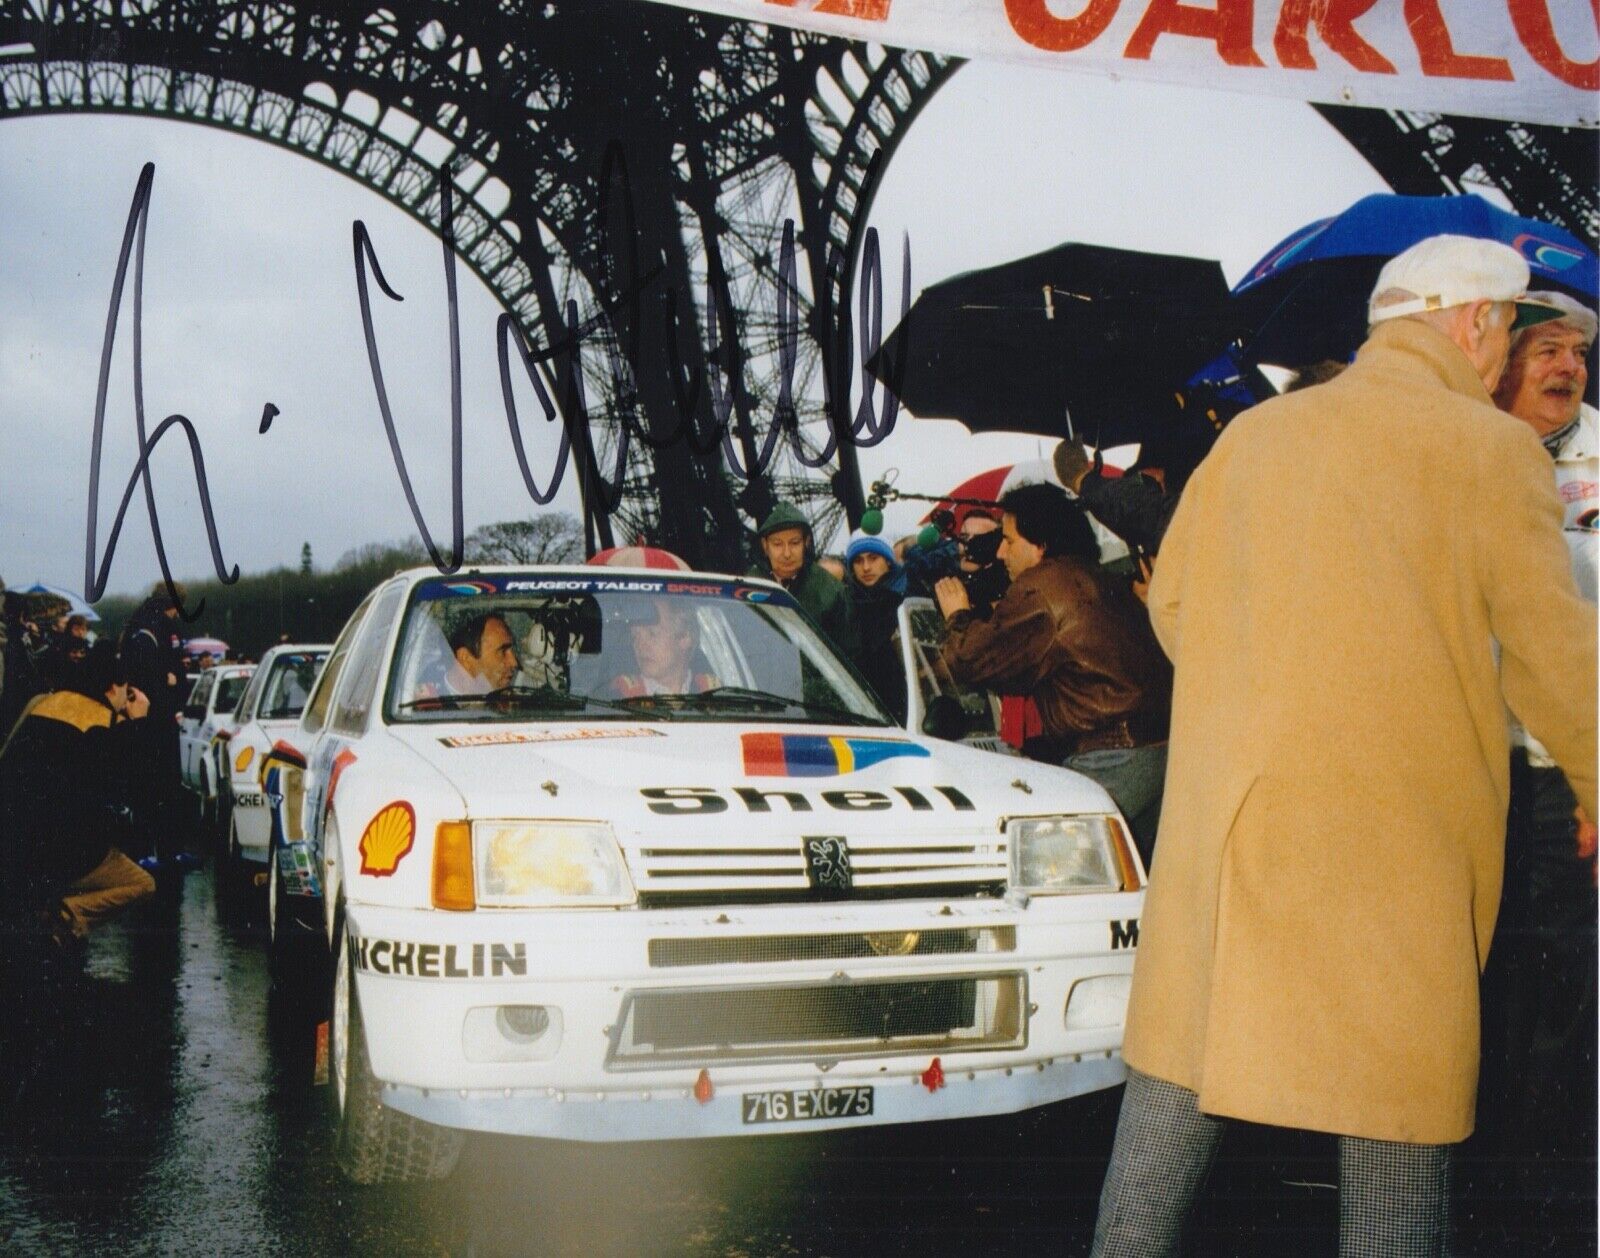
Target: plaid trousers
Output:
[(1394, 1199)]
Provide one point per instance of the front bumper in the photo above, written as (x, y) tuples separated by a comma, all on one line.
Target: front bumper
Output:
[(676, 1115), (431, 984)]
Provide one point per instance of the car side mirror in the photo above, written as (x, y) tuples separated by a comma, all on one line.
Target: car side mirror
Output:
[(195, 711), (944, 719)]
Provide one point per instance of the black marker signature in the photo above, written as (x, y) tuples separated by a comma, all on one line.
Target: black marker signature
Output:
[(95, 582), (620, 289)]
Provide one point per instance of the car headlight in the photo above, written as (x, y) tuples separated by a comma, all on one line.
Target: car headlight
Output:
[(533, 864), (1070, 854)]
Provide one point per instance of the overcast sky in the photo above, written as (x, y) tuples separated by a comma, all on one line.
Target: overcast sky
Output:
[(250, 298)]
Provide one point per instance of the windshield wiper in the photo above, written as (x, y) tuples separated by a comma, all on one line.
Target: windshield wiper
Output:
[(745, 698), (719, 697), (505, 696), (543, 698), (427, 703)]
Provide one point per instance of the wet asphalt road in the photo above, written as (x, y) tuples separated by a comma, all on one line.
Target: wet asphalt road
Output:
[(157, 1120)]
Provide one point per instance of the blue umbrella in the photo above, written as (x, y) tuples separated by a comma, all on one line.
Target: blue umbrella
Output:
[(1306, 300), (79, 607)]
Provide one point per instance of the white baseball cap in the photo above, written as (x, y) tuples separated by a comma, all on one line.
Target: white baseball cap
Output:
[(1445, 271)]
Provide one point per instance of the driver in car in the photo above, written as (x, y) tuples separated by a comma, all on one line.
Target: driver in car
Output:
[(484, 655), (664, 635)]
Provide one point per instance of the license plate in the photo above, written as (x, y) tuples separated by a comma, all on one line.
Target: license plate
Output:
[(803, 1104)]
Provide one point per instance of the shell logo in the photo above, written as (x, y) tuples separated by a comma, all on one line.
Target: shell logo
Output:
[(387, 839), (242, 761)]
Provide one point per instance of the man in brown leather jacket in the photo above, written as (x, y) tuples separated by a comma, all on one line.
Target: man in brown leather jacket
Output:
[(1077, 641)]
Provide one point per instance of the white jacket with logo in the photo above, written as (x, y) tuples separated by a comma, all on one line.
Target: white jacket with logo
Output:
[(1577, 462)]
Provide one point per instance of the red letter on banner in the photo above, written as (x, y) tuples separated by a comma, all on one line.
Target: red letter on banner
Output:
[(1333, 19), (866, 10), (1228, 25), (1034, 22), (1440, 60), (1538, 36)]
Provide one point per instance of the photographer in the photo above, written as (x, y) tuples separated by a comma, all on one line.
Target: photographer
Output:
[(978, 539), (1074, 639), (972, 556), (64, 784)]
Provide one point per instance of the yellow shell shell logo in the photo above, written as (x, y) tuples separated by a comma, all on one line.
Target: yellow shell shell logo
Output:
[(387, 838), (244, 758)]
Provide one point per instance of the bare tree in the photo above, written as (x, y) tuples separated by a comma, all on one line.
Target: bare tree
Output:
[(406, 553), (552, 537)]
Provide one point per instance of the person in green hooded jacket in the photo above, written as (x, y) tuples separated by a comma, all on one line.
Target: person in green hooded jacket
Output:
[(790, 559)]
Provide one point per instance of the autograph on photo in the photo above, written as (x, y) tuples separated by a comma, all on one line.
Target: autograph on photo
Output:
[(554, 369)]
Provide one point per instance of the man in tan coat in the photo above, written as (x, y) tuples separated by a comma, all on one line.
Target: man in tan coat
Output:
[(1331, 849)]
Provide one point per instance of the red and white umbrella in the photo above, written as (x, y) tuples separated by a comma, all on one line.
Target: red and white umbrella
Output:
[(196, 647), (638, 557), (993, 484)]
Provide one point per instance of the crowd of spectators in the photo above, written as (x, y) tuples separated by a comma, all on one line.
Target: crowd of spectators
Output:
[(1329, 622), (89, 775)]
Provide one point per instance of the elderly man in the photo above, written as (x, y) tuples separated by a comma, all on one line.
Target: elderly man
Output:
[(1543, 386), (1330, 860), (1539, 986), (1073, 639), (789, 551)]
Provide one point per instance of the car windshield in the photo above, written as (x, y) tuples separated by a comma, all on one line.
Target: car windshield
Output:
[(228, 691), (567, 647), (291, 679)]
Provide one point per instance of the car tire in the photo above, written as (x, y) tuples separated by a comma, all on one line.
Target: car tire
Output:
[(208, 807), (224, 824), (297, 954), (297, 994), (232, 881), (374, 1144)]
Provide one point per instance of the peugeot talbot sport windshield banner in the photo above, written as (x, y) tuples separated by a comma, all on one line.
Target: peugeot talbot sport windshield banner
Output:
[(1529, 60)]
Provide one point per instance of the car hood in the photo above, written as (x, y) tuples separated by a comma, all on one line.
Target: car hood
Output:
[(650, 774)]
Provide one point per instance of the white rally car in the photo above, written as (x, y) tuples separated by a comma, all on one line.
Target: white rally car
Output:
[(602, 854), (269, 708), (207, 713)]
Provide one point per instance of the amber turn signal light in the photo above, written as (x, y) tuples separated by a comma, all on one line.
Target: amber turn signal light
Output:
[(452, 867), (1123, 844)]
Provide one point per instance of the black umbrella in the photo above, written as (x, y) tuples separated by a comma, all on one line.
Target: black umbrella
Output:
[(1105, 336)]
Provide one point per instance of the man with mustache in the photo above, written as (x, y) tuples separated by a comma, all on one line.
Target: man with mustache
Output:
[(1540, 985)]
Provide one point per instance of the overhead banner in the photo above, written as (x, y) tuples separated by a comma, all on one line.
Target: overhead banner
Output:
[(1528, 60)]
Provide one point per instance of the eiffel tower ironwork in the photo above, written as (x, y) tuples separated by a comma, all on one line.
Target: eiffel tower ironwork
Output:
[(724, 128)]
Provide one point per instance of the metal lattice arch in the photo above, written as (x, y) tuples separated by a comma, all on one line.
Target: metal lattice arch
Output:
[(726, 129)]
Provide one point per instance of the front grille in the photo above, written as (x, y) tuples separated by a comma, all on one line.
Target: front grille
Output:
[(871, 1018), (761, 869), (834, 947)]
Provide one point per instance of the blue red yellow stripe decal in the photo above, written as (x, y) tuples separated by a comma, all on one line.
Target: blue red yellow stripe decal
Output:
[(819, 755)]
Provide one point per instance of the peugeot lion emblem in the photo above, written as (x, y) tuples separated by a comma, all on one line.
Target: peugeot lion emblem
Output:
[(828, 866)]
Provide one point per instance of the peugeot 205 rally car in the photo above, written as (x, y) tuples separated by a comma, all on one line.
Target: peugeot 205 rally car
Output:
[(602, 854), (207, 713), (269, 708)]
